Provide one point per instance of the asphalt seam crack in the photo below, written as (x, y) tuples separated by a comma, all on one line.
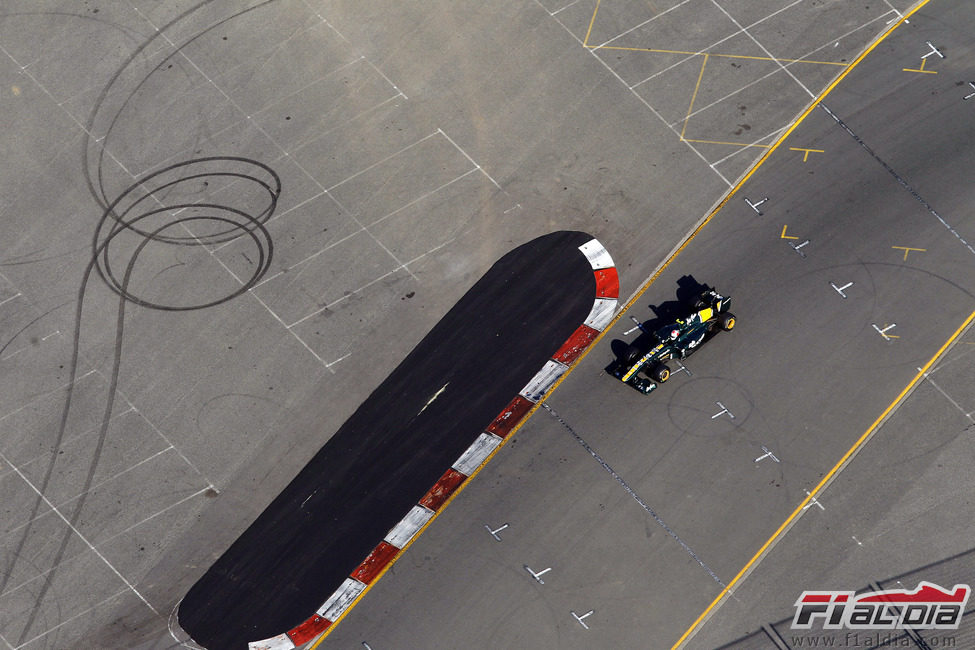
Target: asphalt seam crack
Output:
[(636, 497), (903, 183)]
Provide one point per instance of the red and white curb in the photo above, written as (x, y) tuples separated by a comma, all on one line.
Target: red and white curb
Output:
[(603, 310)]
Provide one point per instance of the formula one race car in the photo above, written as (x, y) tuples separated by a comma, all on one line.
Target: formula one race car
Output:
[(709, 313)]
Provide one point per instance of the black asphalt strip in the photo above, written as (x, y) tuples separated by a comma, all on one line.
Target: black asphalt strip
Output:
[(389, 453)]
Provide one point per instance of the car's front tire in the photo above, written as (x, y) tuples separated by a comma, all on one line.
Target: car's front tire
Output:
[(659, 373)]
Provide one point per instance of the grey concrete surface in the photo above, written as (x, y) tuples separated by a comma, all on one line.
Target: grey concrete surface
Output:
[(415, 144), (805, 375)]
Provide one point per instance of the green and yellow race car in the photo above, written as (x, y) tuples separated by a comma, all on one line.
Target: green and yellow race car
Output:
[(709, 314)]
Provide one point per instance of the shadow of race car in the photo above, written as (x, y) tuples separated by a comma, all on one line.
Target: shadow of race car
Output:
[(709, 314)]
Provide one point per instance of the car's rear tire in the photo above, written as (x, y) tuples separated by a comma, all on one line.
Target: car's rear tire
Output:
[(631, 354), (726, 321), (659, 373)]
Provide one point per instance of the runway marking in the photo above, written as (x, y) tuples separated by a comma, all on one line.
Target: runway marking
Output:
[(697, 86), (783, 64), (883, 331), (643, 101), (908, 249), (745, 31), (579, 617), (774, 538), (840, 290), (40, 495), (812, 501), (806, 152), (927, 376), (730, 144), (903, 183), (592, 21), (68, 620), (717, 55), (826, 480), (785, 236), (6, 300), (629, 490), (921, 69), (754, 205)]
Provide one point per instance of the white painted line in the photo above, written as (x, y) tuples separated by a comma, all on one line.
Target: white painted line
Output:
[(38, 398), (643, 504), (537, 574), (84, 539), (767, 454), (552, 13), (643, 101), (894, 9), (449, 139), (883, 332), (839, 290), (425, 196), (712, 46), (68, 620), (812, 502), (381, 161), (754, 206), (646, 22), (407, 527), (494, 533), (383, 246), (724, 410), (934, 50), (75, 497), (162, 435), (156, 514), (477, 453), (764, 49), (342, 358), (383, 75), (579, 617), (948, 397), (6, 300)]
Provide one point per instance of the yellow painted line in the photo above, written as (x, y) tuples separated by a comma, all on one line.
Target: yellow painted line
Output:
[(921, 69), (771, 540), (908, 249), (636, 296), (592, 21), (806, 153), (743, 145), (715, 54), (697, 86), (785, 236), (829, 476)]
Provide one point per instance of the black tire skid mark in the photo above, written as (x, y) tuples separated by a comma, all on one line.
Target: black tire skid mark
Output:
[(251, 225)]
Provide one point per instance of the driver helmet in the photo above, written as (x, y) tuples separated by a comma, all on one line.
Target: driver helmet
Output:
[(674, 333)]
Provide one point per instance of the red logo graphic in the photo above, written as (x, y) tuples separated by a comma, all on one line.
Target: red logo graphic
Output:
[(929, 607)]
